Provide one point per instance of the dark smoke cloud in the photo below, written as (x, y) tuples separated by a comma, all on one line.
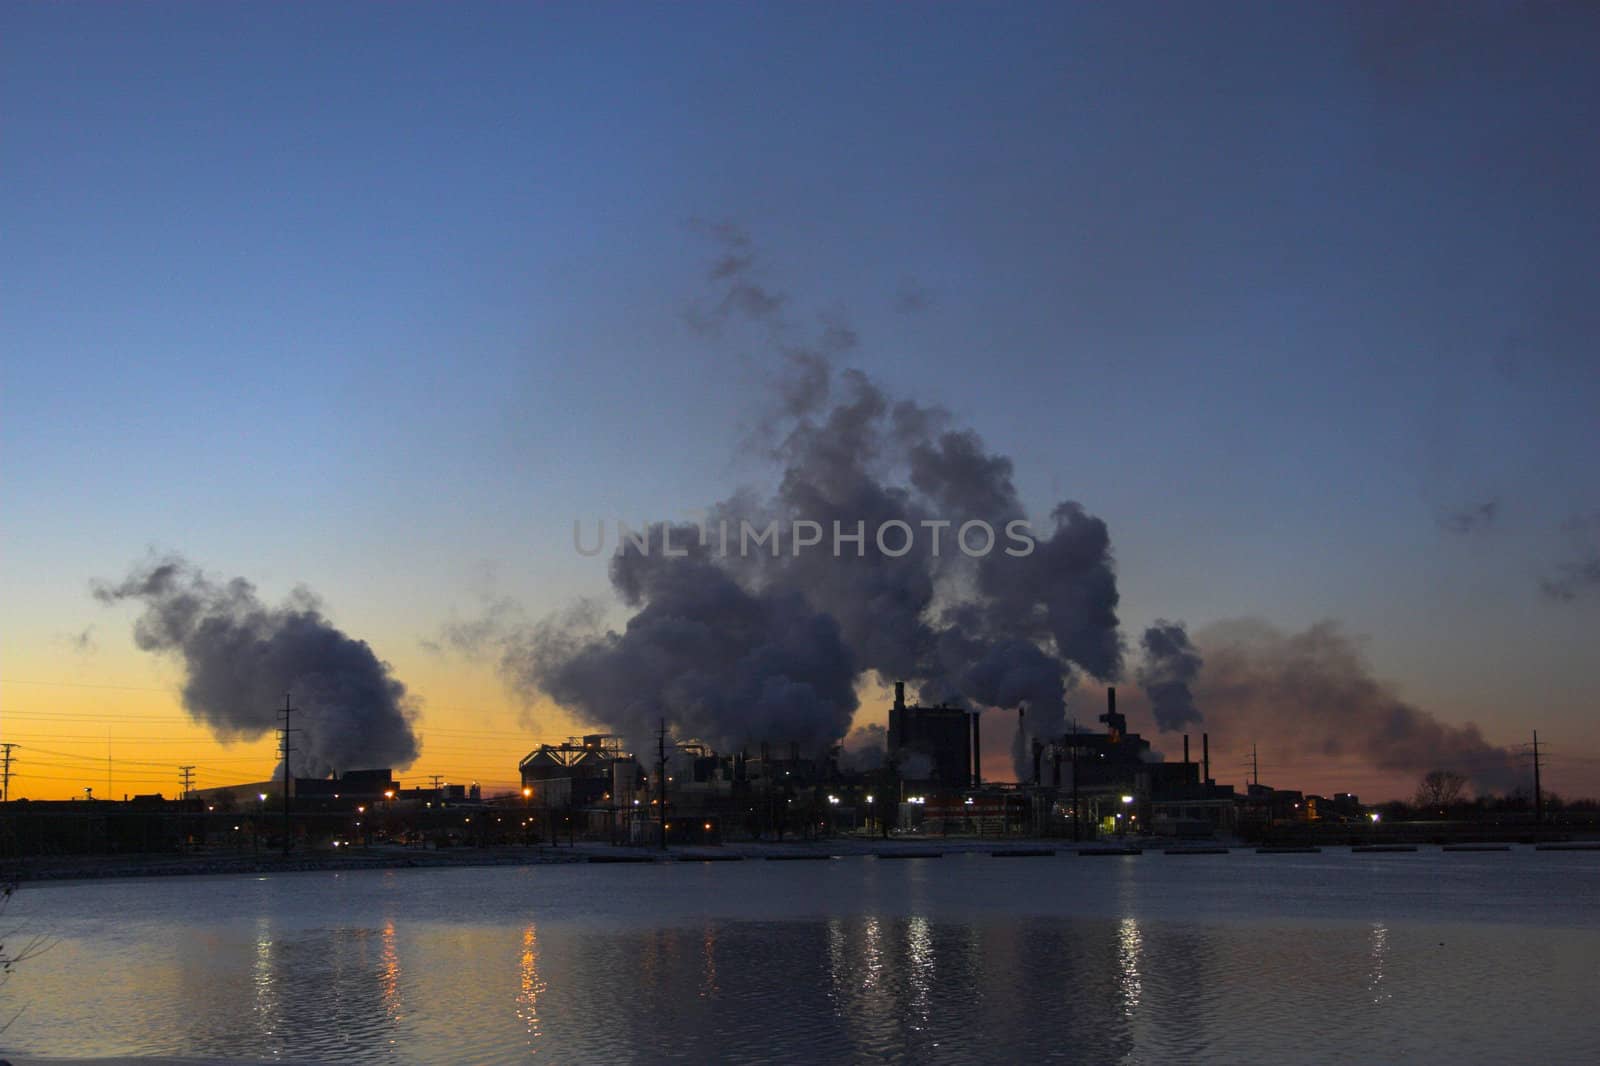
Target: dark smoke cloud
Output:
[(81, 642), (912, 297), (1579, 575), (1170, 667), (1469, 519), (865, 747), (241, 656), (720, 663), (1311, 694), (734, 650), (733, 274)]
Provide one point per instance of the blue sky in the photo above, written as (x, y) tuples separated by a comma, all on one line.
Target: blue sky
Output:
[(380, 298)]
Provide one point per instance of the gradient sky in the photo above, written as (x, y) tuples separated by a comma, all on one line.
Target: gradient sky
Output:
[(378, 299)]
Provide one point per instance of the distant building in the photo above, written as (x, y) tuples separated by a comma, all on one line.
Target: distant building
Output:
[(932, 745), (1263, 803), (350, 789), (440, 795), (1115, 783), (353, 788), (591, 778)]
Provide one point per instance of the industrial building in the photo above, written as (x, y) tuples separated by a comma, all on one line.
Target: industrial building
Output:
[(938, 747), (590, 783), (347, 791), (1112, 782)]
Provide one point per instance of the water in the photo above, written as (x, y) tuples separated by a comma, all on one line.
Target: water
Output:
[(1313, 958)]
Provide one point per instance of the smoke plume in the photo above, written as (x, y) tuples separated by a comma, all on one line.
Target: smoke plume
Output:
[(241, 657), (1170, 667), (1311, 694), (739, 648), (720, 663), (1468, 519), (1579, 575), (865, 747)]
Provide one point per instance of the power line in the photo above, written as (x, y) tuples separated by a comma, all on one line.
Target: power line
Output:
[(1538, 794), (81, 684), (661, 775), (284, 732)]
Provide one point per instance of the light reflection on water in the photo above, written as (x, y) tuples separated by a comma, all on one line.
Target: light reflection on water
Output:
[(531, 987), (1129, 944), (265, 1000), (840, 962), (1380, 948)]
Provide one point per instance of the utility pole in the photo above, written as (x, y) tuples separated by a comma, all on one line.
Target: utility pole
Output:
[(438, 781), (5, 771), (1075, 830), (284, 732), (661, 779), (1538, 793), (186, 774), (1255, 766)]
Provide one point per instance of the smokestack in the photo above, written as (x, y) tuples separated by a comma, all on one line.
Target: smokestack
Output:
[(1186, 749), (899, 695), (977, 751), (1116, 725), (1205, 757), (1038, 756)]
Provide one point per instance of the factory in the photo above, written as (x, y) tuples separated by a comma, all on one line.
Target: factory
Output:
[(1113, 782), (589, 783), (937, 747), (1081, 784)]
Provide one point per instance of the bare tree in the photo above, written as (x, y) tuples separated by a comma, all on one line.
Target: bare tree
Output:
[(1439, 789), (9, 957)]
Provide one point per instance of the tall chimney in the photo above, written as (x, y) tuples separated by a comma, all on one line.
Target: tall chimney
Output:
[(1205, 757), (977, 751), (1116, 725), (899, 695), (1186, 749), (1038, 757)]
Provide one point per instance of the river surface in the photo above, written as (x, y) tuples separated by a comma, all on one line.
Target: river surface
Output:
[(1334, 957)]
